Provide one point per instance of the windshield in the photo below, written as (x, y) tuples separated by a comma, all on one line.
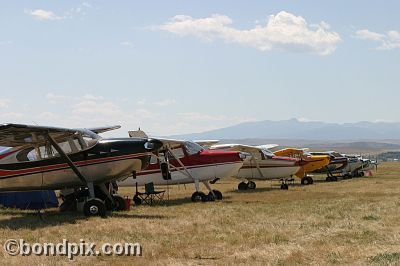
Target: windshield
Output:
[(267, 153), (193, 148)]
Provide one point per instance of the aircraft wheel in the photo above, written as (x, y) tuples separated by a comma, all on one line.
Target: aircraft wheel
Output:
[(307, 181), (94, 207), (137, 200), (242, 186), (119, 202), (218, 194), (251, 185), (210, 197), (334, 179), (199, 196), (362, 174), (284, 186)]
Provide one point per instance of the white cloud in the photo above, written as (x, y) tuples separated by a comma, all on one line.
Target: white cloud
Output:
[(48, 15), (41, 14), (388, 40), (283, 31), (369, 35)]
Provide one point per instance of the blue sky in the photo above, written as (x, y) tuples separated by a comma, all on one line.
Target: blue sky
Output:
[(175, 67)]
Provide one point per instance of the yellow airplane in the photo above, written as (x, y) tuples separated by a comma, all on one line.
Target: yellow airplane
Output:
[(312, 162)]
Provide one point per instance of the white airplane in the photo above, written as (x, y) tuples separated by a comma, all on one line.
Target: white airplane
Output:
[(262, 164), (184, 162)]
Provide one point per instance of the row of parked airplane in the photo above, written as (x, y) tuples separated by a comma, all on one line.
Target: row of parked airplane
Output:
[(85, 166)]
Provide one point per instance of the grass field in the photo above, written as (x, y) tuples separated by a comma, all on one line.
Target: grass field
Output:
[(353, 221)]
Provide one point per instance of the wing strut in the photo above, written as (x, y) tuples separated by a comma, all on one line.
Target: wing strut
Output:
[(65, 156)]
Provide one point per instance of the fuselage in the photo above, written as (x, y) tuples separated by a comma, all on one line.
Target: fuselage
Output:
[(185, 168), (274, 167), (106, 160), (310, 162)]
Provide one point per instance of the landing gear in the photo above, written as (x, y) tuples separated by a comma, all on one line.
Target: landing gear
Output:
[(119, 202), (242, 186), (248, 185), (94, 207), (216, 196), (331, 179), (199, 196), (307, 180), (251, 185)]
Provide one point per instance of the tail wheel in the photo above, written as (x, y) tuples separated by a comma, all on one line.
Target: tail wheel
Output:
[(284, 186), (119, 202), (199, 196), (137, 200), (94, 207), (242, 186), (251, 185)]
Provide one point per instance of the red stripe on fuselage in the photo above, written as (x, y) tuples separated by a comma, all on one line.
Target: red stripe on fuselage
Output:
[(55, 167)]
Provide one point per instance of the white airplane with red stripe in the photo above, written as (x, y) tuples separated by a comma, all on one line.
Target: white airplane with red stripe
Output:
[(184, 162)]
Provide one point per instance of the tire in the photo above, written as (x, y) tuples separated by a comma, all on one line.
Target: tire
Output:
[(119, 202), (94, 207), (137, 200), (251, 185), (218, 194), (199, 196), (362, 174), (310, 180), (242, 186), (305, 181)]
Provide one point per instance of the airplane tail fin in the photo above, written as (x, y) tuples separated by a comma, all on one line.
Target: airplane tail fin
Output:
[(137, 134)]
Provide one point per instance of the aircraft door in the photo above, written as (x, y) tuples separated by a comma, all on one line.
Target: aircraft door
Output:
[(164, 166)]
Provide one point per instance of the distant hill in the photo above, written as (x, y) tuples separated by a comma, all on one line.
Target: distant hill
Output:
[(295, 129)]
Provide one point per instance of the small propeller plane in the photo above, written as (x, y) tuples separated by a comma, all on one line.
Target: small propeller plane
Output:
[(184, 162), (52, 158), (337, 163), (311, 162), (262, 164)]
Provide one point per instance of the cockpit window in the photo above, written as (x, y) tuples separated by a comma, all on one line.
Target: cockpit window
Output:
[(193, 148), (71, 145), (267, 153)]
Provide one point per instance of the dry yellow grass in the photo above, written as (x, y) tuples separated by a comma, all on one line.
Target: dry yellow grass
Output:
[(348, 222)]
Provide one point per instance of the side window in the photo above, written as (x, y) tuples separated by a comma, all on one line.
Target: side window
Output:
[(153, 159), (177, 153)]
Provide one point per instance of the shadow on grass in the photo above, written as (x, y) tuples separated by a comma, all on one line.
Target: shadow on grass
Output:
[(34, 220), (181, 201)]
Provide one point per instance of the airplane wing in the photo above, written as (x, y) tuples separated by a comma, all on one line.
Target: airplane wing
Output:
[(206, 143), (268, 146), (99, 130), (236, 147), (15, 135)]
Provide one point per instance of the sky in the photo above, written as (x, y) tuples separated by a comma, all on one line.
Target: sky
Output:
[(175, 67)]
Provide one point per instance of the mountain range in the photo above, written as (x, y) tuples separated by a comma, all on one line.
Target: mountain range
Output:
[(303, 130)]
